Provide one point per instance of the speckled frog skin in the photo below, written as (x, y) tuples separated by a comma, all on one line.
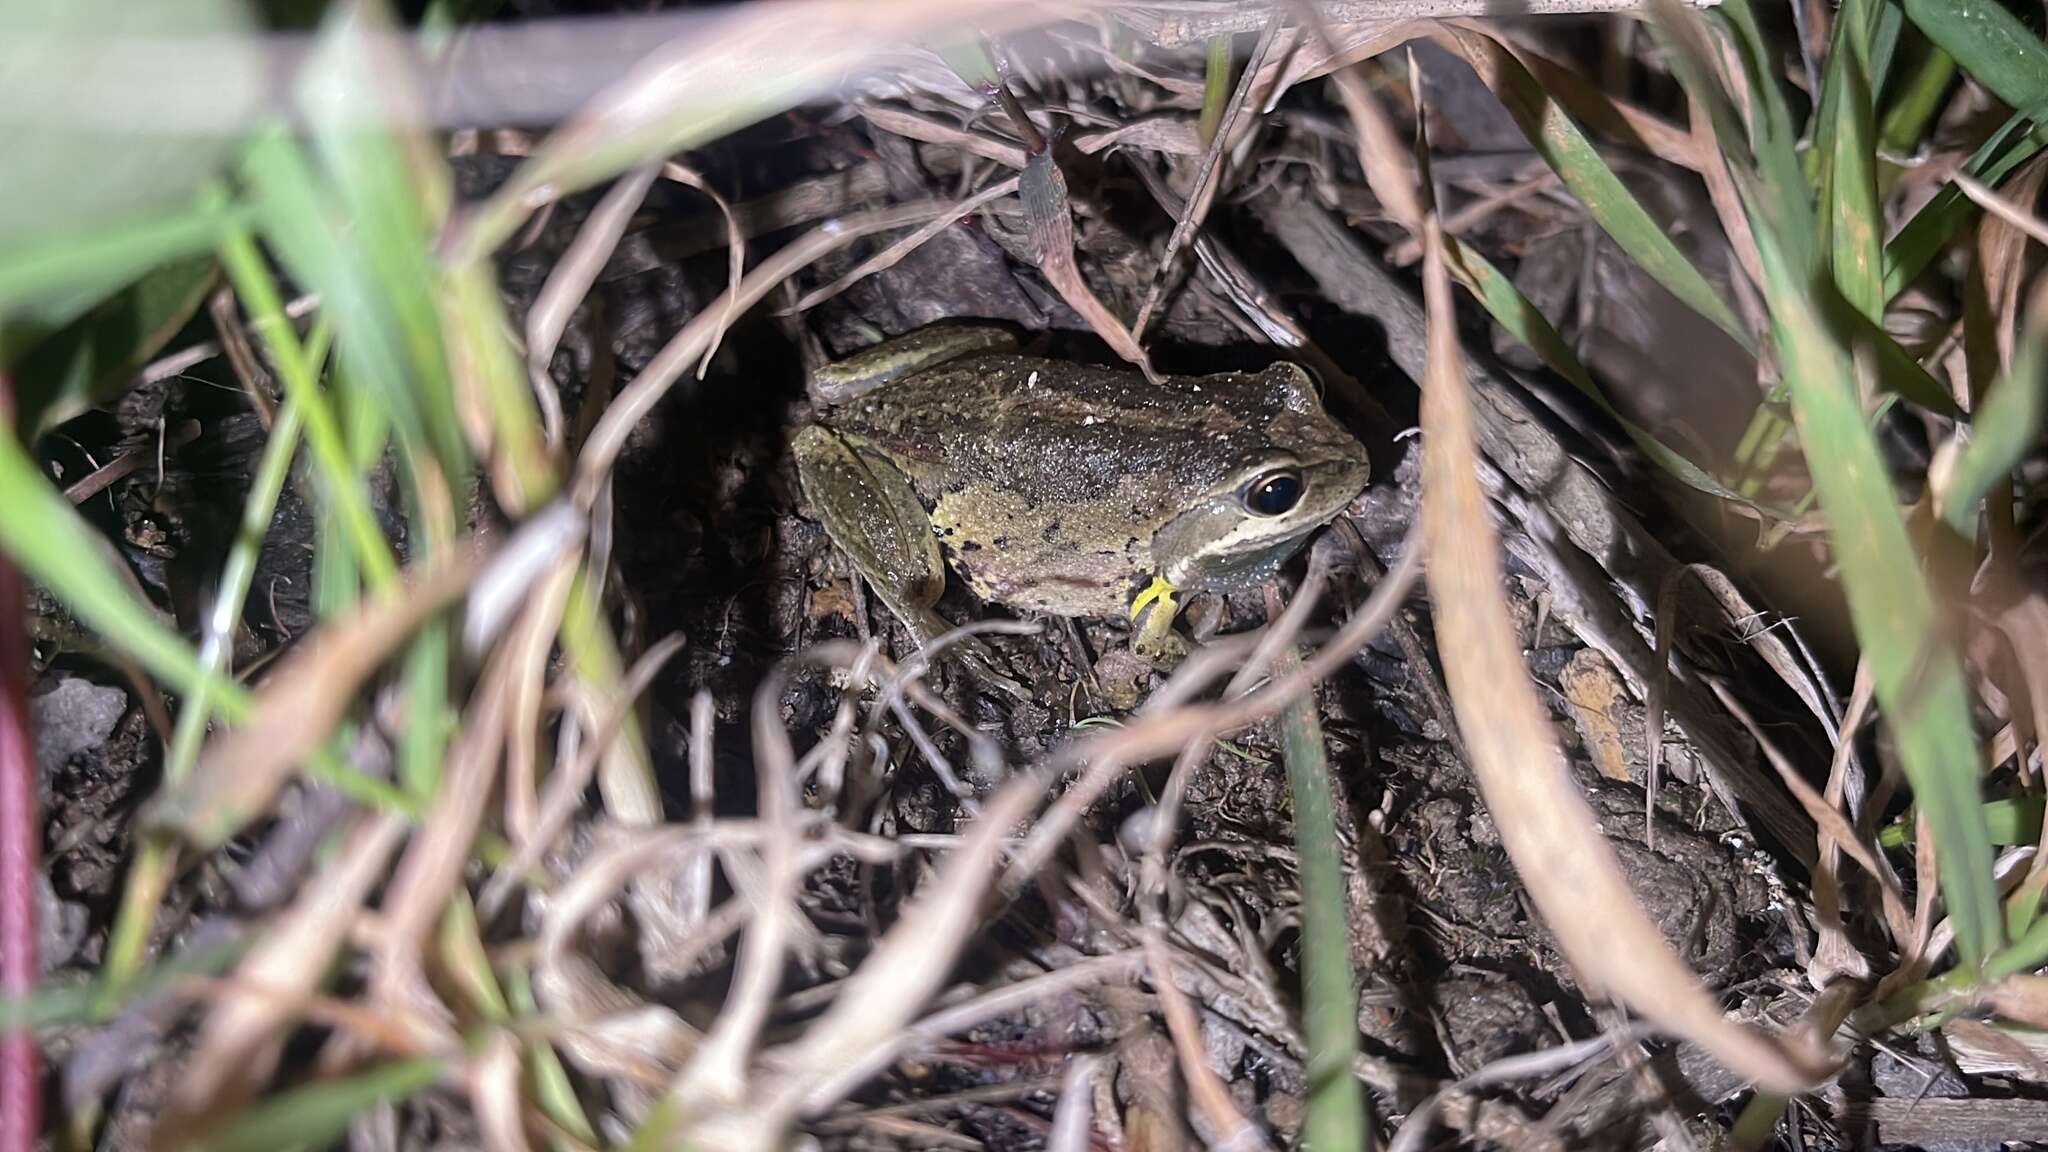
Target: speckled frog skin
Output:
[(1063, 488)]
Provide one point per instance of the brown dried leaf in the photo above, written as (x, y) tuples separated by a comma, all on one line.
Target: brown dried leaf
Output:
[(1043, 189), (1546, 825)]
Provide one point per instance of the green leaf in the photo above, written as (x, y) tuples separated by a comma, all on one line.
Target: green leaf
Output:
[(105, 164), (1992, 45), (93, 358), (316, 1115), (1848, 139), (2003, 429), (1513, 311), (1918, 677), (1607, 200)]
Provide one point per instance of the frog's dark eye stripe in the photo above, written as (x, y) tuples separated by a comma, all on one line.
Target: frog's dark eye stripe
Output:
[(1273, 493)]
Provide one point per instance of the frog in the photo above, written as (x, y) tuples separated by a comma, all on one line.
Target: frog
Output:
[(1065, 488)]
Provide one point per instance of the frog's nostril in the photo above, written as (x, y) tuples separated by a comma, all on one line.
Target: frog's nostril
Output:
[(1273, 493)]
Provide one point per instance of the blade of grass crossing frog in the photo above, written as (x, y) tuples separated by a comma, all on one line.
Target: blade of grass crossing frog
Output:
[(394, 192), (1578, 163), (2004, 429), (1918, 676), (1928, 233), (1847, 139), (1513, 311)]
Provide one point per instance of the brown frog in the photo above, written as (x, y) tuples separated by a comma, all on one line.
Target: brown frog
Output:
[(1056, 487)]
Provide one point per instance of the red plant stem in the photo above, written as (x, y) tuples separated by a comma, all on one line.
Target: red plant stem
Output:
[(20, 846)]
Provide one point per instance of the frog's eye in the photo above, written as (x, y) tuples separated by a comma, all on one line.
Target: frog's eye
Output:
[(1273, 493)]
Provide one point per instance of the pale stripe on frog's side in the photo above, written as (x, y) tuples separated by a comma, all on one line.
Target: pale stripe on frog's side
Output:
[(1065, 488)]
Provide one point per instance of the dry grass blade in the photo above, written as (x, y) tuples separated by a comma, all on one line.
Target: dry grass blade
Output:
[(1547, 827), (866, 1023), (634, 402), (567, 283), (718, 1073), (297, 707), (752, 62), (1206, 176), (892, 255), (239, 1043)]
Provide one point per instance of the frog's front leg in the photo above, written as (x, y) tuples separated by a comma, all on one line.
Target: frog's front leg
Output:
[(1152, 634), (901, 356), (873, 515)]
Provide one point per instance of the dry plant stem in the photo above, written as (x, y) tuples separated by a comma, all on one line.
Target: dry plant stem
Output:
[(567, 284), (718, 1073), (241, 1037), (2005, 209), (568, 783), (433, 865), (1165, 726), (1166, 813), (892, 255), (637, 399), (1415, 1129), (1825, 816), (1208, 175), (1227, 1127), (867, 1021), (1544, 823), (530, 646), (1071, 1116), (20, 842)]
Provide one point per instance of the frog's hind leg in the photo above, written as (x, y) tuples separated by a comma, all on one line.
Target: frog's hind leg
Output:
[(869, 509), (904, 355)]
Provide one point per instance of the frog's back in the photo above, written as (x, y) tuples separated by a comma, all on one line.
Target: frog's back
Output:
[(1050, 430)]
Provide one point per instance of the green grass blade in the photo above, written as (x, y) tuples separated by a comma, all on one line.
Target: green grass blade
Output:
[(1772, 138), (1992, 45), (56, 548), (1513, 311), (1336, 1116), (1918, 677), (1931, 229), (1848, 139), (316, 1115), (64, 277), (1606, 199), (2003, 429), (1919, 98), (340, 487), (394, 193), (92, 359)]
